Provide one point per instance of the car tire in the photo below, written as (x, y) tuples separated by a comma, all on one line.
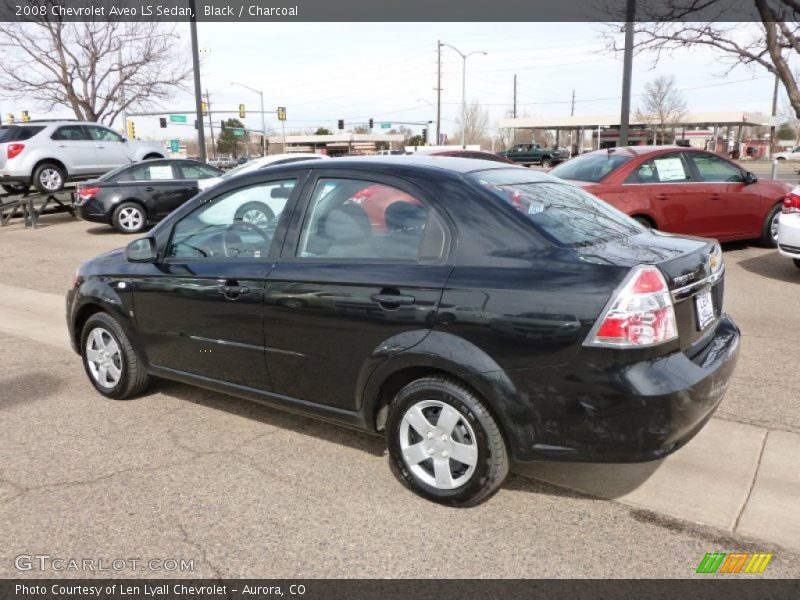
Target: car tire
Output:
[(152, 157), (256, 213), (781, 158), (796, 262), (49, 178), (109, 359), (129, 217), (643, 221), (422, 455), (769, 230), (13, 189), (547, 163)]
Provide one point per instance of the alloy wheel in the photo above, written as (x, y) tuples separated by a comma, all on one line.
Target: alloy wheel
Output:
[(255, 217), (50, 179), (438, 444), (103, 357), (130, 218), (773, 226)]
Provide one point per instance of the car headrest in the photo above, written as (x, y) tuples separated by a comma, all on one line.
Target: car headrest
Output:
[(404, 216), (346, 223)]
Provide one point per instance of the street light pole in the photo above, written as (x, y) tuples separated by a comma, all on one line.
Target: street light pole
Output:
[(263, 120), (198, 92), (464, 58)]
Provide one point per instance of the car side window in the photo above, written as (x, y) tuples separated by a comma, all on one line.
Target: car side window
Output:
[(238, 224), (101, 134), (714, 168), (70, 133), (670, 168), (198, 171), (149, 172), (365, 220)]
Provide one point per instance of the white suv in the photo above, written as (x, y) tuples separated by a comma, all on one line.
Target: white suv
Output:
[(47, 154)]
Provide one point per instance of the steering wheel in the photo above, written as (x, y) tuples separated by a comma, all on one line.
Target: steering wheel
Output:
[(228, 236)]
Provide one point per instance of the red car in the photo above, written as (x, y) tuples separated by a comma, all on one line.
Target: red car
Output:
[(458, 152), (681, 190)]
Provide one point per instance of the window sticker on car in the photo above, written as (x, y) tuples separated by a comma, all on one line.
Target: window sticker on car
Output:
[(161, 172), (670, 169)]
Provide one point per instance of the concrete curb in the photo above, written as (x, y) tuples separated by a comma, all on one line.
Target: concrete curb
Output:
[(732, 476)]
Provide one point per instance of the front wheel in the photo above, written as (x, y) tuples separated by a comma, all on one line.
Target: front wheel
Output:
[(109, 359), (444, 444), (769, 230)]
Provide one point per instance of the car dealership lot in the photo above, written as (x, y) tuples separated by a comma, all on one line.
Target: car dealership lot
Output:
[(246, 490)]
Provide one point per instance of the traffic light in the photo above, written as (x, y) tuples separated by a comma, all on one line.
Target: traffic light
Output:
[(341, 124), (281, 113), (131, 130), (10, 119), (25, 116), (371, 123), (425, 136), (162, 122), (241, 111), (195, 123), (204, 108)]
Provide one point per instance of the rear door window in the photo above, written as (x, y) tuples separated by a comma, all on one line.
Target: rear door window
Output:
[(70, 133), (671, 168), (149, 172), (564, 214)]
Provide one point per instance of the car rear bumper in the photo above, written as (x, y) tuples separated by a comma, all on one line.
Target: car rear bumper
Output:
[(628, 412), (789, 235), (14, 178), (92, 210)]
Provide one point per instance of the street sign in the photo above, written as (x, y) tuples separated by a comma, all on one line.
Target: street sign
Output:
[(386, 125), (237, 131), (175, 145), (178, 119)]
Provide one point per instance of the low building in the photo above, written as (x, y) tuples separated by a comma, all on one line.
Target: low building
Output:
[(338, 144)]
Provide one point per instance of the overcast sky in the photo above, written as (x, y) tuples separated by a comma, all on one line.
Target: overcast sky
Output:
[(323, 72)]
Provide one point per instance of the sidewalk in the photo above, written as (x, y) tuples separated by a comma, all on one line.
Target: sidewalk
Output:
[(733, 476)]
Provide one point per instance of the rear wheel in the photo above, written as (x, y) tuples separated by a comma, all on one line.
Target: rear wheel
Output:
[(49, 178), (769, 230), (14, 188), (129, 218), (444, 443), (109, 359), (645, 221)]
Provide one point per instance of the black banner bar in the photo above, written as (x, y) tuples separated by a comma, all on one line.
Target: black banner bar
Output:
[(384, 10), (713, 587)]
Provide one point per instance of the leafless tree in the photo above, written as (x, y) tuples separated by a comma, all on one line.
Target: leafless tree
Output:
[(769, 43), (662, 106), (475, 123), (96, 69)]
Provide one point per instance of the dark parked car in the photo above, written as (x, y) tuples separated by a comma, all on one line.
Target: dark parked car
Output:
[(502, 314), (682, 190), (459, 153), (131, 197)]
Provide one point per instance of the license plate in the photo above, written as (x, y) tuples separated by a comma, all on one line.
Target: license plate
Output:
[(704, 308)]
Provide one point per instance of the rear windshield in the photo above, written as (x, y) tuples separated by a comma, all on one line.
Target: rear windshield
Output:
[(15, 133), (589, 167), (563, 213)]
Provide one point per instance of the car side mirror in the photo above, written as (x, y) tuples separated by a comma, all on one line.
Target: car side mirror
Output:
[(750, 178), (141, 250)]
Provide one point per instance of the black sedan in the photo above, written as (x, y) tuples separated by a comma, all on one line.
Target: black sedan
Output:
[(133, 196), (475, 312)]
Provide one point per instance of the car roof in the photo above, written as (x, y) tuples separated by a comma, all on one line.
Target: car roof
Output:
[(634, 151)]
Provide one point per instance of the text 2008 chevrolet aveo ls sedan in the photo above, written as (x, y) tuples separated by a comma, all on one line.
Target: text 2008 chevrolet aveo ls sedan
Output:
[(489, 314)]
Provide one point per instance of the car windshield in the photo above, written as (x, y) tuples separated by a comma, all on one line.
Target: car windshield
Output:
[(590, 167), (563, 213)]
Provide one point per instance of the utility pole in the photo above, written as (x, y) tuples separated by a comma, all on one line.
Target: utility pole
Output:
[(627, 67), (774, 114), (514, 110), (122, 93), (438, 91), (572, 110), (211, 124), (198, 91)]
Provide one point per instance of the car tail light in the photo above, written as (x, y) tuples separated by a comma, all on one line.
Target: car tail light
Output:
[(791, 203), (640, 314), (86, 193), (14, 150)]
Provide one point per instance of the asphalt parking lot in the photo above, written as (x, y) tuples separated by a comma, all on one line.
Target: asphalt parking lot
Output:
[(246, 491)]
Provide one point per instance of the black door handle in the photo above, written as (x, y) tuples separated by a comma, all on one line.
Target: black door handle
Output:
[(233, 290), (392, 299), (148, 189)]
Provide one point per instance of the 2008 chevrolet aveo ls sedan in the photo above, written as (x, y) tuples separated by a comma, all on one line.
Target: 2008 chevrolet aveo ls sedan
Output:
[(486, 314)]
